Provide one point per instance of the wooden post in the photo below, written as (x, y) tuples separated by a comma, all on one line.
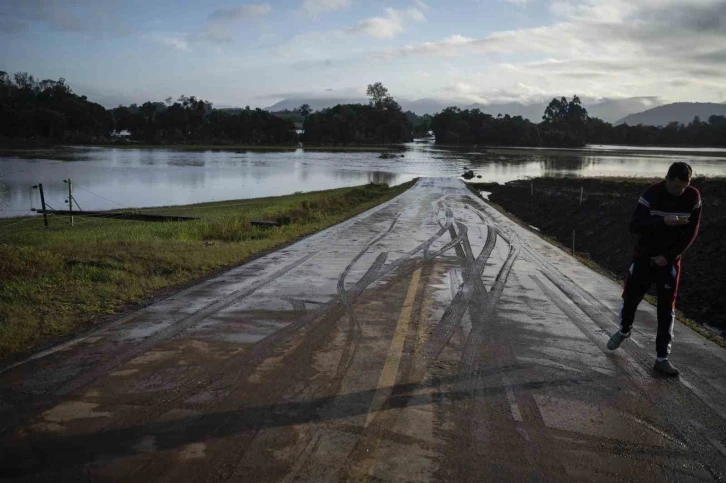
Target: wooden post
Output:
[(531, 186), (70, 197), (582, 191), (573, 242), (39, 186)]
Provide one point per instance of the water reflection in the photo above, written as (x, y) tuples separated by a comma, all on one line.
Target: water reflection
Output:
[(154, 177), (381, 177), (563, 165)]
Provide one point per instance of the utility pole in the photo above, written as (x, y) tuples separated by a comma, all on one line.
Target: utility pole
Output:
[(39, 187), (70, 197)]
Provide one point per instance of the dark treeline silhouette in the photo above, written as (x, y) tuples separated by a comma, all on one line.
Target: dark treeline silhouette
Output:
[(696, 133), (49, 111), (294, 115), (194, 120), (563, 125), (421, 124), (567, 124), (381, 122)]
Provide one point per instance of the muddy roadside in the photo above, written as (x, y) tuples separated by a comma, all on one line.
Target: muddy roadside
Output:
[(552, 207)]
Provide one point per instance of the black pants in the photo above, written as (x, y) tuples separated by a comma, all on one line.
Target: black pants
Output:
[(641, 275)]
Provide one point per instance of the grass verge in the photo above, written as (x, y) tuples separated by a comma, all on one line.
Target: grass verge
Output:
[(59, 280)]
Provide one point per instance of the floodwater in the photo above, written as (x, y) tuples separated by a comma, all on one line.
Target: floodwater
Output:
[(110, 178)]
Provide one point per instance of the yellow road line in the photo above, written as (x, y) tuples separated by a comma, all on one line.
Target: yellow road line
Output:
[(390, 369), (363, 472)]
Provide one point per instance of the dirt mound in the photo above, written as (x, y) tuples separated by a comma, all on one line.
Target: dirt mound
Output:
[(601, 227)]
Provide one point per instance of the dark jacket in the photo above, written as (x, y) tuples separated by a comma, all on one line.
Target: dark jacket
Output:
[(654, 236)]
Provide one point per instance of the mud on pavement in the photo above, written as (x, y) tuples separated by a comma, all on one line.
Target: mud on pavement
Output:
[(429, 339)]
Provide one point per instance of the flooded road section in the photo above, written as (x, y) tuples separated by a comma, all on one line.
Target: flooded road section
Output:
[(429, 339)]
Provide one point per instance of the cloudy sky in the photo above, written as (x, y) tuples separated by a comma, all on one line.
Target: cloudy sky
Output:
[(235, 53)]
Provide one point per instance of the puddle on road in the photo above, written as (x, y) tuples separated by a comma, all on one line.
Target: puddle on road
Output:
[(146, 445), (193, 451), (603, 421), (152, 356), (240, 338), (205, 397), (144, 332), (126, 372), (72, 410)]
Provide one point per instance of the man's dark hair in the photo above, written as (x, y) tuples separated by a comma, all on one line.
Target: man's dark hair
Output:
[(680, 170)]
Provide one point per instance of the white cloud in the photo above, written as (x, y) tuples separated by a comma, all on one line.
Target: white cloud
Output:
[(214, 32), (595, 48), (449, 47), (519, 3), (420, 4), (673, 49), (77, 16), (243, 12), (415, 14), (612, 33), (389, 26), (171, 40), (314, 7), (380, 27)]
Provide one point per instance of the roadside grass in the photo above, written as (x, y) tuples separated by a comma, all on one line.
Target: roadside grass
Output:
[(59, 280)]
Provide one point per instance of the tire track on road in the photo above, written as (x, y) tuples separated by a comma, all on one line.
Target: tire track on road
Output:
[(185, 323), (601, 317)]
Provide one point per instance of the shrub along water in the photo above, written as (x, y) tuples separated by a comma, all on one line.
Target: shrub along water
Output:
[(56, 281)]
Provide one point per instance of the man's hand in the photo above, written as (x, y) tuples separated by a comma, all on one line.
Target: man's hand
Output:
[(660, 260), (673, 220)]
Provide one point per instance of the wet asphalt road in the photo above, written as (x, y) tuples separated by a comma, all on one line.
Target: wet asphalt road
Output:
[(430, 339)]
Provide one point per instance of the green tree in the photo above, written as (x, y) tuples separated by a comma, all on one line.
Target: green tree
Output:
[(576, 115), (380, 98), (556, 111), (568, 117)]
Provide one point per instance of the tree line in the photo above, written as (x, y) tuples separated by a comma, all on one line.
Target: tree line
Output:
[(696, 133), (381, 121), (48, 109), (189, 119), (567, 124), (32, 109), (560, 127)]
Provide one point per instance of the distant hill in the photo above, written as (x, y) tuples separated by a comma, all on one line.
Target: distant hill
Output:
[(533, 112), (420, 107), (682, 112), (315, 104), (609, 110)]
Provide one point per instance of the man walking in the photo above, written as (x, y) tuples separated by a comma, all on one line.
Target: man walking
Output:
[(666, 221)]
